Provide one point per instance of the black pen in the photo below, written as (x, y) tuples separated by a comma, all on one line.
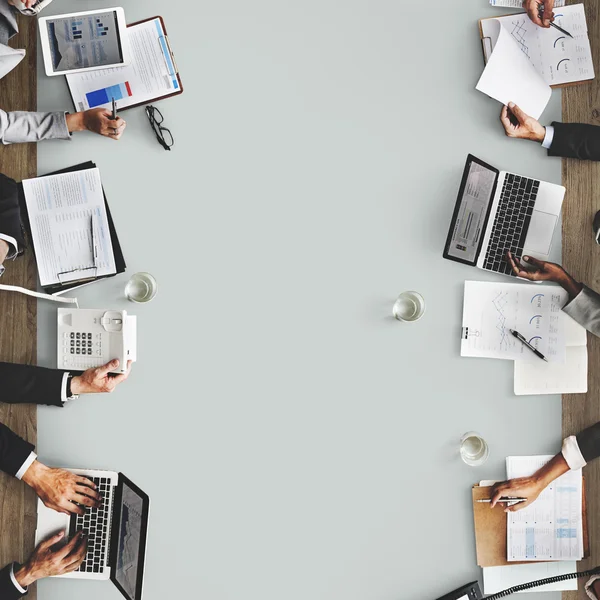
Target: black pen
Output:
[(524, 341), (541, 16), (114, 113)]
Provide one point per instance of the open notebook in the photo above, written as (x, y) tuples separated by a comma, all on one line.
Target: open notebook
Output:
[(524, 60), (568, 378)]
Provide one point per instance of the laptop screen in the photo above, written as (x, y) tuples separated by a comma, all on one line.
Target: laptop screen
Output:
[(471, 212), (130, 529)]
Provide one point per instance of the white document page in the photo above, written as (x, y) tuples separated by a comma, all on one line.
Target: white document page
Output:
[(68, 219), (568, 378), (557, 58), (519, 3), (496, 579), (150, 75), (551, 528), (491, 309), (509, 76)]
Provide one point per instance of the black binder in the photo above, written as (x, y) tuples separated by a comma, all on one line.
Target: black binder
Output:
[(118, 253)]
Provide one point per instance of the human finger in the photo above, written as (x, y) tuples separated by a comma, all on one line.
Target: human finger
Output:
[(70, 507), (51, 541), (517, 112), (497, 491), (534, 262), (85, 481), (85, 500), (107, 368), (61, 553), (517, 506), (504, 119), (86, 490)]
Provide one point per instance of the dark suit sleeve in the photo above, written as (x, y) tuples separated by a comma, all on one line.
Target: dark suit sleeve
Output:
[(8, 591), (575, 140), (25, 384), (14, 451), (589, 442), (10, 216)]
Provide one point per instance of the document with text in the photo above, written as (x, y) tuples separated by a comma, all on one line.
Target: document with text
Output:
[(69, 227)]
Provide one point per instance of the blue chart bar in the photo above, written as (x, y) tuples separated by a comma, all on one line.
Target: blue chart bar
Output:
[(105, 95)]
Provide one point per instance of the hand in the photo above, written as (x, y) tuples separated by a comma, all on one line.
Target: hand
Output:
[(545, 271), (527, 128), (3, 251), (533, 9), (99, 380), (27, 3), (48, 559), (97, 120), (522, 487), (60, 490)]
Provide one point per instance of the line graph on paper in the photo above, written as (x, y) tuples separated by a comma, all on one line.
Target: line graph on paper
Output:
[(500, 302), (519, 34)]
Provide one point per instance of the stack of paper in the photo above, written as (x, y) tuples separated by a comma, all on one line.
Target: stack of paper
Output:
[(524, 60), (496, 579), (492, 309), (551, 528), (568, 378)]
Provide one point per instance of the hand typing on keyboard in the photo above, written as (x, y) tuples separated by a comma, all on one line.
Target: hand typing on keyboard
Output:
[(61, 490), (99, 380), (49, 559), (545, 271)]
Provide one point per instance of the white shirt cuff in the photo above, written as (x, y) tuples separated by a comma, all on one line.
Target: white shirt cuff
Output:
[(26, 465), (588, 587), (548, 137), (14, 580), (572, 454), (12, 252), (63, 389)]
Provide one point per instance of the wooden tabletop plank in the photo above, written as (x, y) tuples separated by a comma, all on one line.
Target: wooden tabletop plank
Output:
[(18, 324)]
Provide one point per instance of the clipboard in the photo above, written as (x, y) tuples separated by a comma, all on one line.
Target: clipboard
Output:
[(486, 47), (167, 45), (490, 531), (87, 277)]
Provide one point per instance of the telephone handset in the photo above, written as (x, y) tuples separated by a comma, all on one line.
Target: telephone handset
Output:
[(472, 591)]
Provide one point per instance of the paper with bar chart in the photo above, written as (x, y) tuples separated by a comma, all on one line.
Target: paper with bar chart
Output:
[(551, 528), (151, 74), (492, 309)]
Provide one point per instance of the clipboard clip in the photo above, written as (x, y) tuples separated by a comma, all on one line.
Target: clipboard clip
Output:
[(87, 274), (486, 44), (168, 45)]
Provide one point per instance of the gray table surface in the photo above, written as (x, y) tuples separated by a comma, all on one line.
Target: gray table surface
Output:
[(295, 440)]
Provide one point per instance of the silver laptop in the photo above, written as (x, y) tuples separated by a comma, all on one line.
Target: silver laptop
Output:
[(498, 211), (116, 530)]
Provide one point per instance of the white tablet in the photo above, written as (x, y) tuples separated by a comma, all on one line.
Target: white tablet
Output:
[(95, 39)]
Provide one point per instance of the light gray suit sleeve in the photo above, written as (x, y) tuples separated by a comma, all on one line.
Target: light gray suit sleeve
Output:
[(585, 309), (16, 127), (8, 25)]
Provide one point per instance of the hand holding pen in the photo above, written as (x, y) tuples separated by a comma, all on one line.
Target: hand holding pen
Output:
[(521, 492), (540, 11)]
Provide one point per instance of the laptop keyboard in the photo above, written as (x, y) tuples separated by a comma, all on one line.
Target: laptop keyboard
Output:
[(95, 523), (511, 223)]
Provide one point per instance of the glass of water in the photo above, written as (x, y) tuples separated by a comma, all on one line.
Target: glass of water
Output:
[(410, 306), (473, 449), (141, 287)]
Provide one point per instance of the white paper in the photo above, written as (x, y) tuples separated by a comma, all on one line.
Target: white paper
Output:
[(60, 211), (556, 57), (551, 528), (509, 76), (491, 309), (568, 378), (496, 579), (150, 75), (519, 3)]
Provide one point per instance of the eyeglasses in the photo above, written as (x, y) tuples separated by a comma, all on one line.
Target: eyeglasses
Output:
[(163, 135)]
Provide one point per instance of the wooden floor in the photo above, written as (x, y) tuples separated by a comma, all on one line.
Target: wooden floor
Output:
[(18, 314), (581, 257)]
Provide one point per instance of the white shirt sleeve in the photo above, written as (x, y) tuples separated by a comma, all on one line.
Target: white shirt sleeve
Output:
[(548, 137), (588, 587), (63, 392), (572, 454), (14, 580), (30, 459), (12, 252)]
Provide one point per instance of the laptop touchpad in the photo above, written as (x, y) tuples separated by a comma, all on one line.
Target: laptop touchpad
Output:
[(541, 230)]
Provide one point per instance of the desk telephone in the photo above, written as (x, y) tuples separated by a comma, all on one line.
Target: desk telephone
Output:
[(90, 338), (472, 591)]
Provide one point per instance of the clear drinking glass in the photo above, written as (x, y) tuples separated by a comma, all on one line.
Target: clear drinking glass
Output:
[(410, 306), (141, 287), (473, 449)]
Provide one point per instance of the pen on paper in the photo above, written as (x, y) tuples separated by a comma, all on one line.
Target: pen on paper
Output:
[(504, 500), (526, 343)]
